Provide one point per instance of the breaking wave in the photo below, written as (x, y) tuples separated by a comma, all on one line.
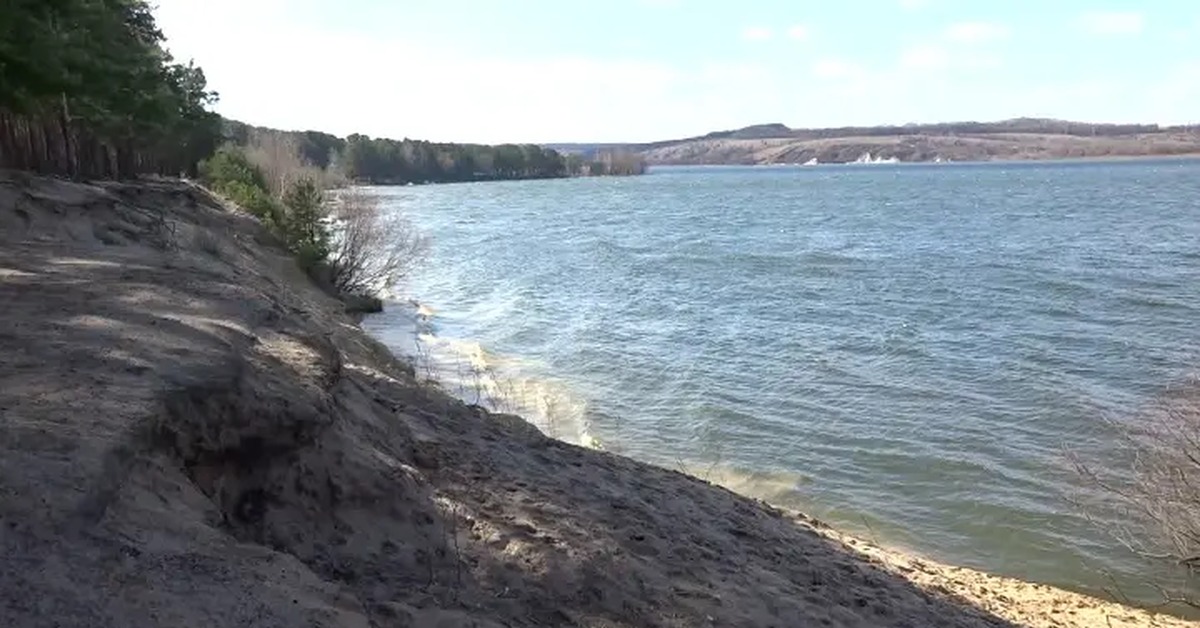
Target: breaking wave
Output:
[(475, 375)]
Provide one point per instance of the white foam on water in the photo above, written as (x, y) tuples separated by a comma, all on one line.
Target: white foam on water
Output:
[(781, 488), (503, 384), (465, 369)]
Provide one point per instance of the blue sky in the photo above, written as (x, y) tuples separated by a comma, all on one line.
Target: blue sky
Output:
[(638, 70)]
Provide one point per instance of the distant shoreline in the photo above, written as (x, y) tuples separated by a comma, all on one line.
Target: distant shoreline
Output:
[(1018, 139), (1088, 159)]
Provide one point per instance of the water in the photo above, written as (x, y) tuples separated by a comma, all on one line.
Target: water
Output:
[(905, 351)]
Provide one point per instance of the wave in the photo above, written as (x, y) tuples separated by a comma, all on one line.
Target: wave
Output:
[(813, 263), (502, 384), (780, 488)]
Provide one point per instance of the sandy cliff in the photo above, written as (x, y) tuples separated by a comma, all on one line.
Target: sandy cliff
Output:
[(191, 434)]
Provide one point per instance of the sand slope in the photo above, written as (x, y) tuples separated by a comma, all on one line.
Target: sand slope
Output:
[(192, 435)]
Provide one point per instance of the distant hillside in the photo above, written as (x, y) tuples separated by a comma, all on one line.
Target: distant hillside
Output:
[(918, 148), (585, 148), (1019, 138)]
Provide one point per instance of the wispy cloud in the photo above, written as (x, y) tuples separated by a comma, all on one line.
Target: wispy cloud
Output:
[(935, 58), (1112, 22), (1184, 32), (833, 68), (799, 32), (1176, 92), (925, 57), (977, 62), (976, 32), (756, 33), (929, 73), (956, 49), (727, 73), (272, 99)]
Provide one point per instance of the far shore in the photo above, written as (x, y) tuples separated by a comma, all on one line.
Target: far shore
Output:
[(1188, 156), (1169, 157)]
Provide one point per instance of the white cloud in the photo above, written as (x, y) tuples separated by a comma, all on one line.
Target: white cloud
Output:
[(980, 62), (1113, 23), (937, 58), (487, 102), (756, 33), (1049, 100), (1174, 93), (956, 49), (976, 32), (832, 68), (926, 57), (621, 98), (1184, 32), (726, 73), (799, 32)]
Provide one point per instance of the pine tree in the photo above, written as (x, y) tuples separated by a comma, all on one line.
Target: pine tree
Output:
[(87, 90)]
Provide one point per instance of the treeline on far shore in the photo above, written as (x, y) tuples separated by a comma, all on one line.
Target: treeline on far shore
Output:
[(389, 162)]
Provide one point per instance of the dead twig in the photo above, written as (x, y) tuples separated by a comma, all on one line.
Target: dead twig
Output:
[(1149, 488)]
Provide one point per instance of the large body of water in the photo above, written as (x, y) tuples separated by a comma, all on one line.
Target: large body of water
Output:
[(905, 351)]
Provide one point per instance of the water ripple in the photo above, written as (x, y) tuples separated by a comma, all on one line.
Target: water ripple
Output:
[(910, 347)]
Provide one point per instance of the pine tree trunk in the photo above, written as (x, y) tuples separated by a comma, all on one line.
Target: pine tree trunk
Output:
[(70, 147), (30, 145), (6, 140), (106, 161)]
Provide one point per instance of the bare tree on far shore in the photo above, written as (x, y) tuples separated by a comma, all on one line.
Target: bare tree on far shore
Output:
[(372, 249)]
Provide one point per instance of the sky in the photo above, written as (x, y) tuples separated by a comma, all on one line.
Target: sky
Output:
[(641, 70)]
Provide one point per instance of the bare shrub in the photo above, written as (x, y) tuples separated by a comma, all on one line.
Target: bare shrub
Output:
[(1153, 485), (372, 249), (278, 157)]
